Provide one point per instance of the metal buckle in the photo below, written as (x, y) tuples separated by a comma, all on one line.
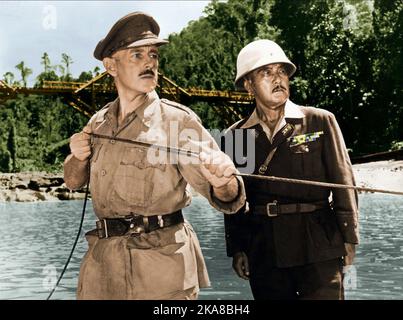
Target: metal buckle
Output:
[(135, 227), (262, 169), (102, 229), (160, 221), (272, 209)]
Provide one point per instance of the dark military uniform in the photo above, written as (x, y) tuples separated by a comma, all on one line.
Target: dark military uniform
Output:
[(296, 252)]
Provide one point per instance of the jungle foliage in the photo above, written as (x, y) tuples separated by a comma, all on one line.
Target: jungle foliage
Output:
[(34, 130)]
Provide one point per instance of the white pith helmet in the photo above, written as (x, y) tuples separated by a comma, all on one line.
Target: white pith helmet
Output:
[(257, 54)]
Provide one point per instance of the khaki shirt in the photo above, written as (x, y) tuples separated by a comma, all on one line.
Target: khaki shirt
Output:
[(129, 179)]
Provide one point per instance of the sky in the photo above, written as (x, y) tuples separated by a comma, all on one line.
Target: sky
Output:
[(30, 28)]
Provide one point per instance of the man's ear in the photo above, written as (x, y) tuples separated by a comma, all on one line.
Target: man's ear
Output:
[(247, 84), (110, 66)]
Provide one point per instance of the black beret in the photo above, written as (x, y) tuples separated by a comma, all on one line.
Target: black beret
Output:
[(133, 30)]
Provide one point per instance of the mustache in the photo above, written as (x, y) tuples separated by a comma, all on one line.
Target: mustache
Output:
[(279, 87), (146, 72)]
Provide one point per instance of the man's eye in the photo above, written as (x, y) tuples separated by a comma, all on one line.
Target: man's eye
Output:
[(282, 72), (154, 55), (267, 72), (137, 55)]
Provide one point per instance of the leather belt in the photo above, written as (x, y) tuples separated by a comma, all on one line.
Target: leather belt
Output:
[(135, 224), (274, 209)]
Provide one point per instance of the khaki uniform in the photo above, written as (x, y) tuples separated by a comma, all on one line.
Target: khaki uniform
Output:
[(166, 263)]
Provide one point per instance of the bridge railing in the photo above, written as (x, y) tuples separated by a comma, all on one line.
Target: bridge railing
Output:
[(61, 84), (219, 93), (65, 85)]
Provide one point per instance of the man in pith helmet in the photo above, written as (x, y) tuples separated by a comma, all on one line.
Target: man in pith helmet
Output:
[(291, 241), (142, 247)]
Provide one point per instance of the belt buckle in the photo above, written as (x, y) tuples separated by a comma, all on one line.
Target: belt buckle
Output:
[(272, 209), (135, 225), (102, 229)]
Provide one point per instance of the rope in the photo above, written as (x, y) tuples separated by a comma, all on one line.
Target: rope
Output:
[(148, 145), (318, 183), (254, 176), (75, 241)]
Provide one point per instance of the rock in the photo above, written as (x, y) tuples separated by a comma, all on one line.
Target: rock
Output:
[(38, 182), (5, 196), (25, 197), (61, 190), (63, 196), (18, 183), (69, 195), (41, 196), (35, 186)]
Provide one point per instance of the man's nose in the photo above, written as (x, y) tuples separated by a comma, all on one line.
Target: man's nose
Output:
[(276, 78), (150, 63)]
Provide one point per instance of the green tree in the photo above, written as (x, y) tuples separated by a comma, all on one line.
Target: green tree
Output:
[(25, 72), (387, 66), (12, 147), (5, 159), (45, 61), (9, 78), (48, 73), (85, 76), (96, 71), (66, 62), (339, 48)]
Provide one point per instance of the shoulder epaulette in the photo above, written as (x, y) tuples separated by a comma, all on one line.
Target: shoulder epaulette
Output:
[(100, 114), (106, 106), (177, 105)]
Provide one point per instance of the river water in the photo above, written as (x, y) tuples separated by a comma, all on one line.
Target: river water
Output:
[(36, 238)]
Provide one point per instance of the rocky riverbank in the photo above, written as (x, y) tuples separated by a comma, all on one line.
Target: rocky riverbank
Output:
[(35, 186), (41, 186)]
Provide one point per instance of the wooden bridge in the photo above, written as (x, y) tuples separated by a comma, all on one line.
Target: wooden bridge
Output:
[(88, 97)]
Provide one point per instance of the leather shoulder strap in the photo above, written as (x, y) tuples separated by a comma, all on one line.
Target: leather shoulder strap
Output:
[(285, 133)]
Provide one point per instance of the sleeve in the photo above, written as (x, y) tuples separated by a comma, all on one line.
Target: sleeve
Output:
[(76, 172), (339, 170), (194, 137), (237, 233), (236, 226)]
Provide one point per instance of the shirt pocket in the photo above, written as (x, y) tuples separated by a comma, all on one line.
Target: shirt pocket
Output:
[(324, 231), (134, 181), (137, 157), (307, 159)]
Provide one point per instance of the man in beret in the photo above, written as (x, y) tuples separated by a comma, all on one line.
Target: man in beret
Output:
[(142, 247)]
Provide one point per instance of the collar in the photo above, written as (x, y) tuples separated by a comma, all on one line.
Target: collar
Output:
[(147, 110), (144, 112), (291, 111)]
